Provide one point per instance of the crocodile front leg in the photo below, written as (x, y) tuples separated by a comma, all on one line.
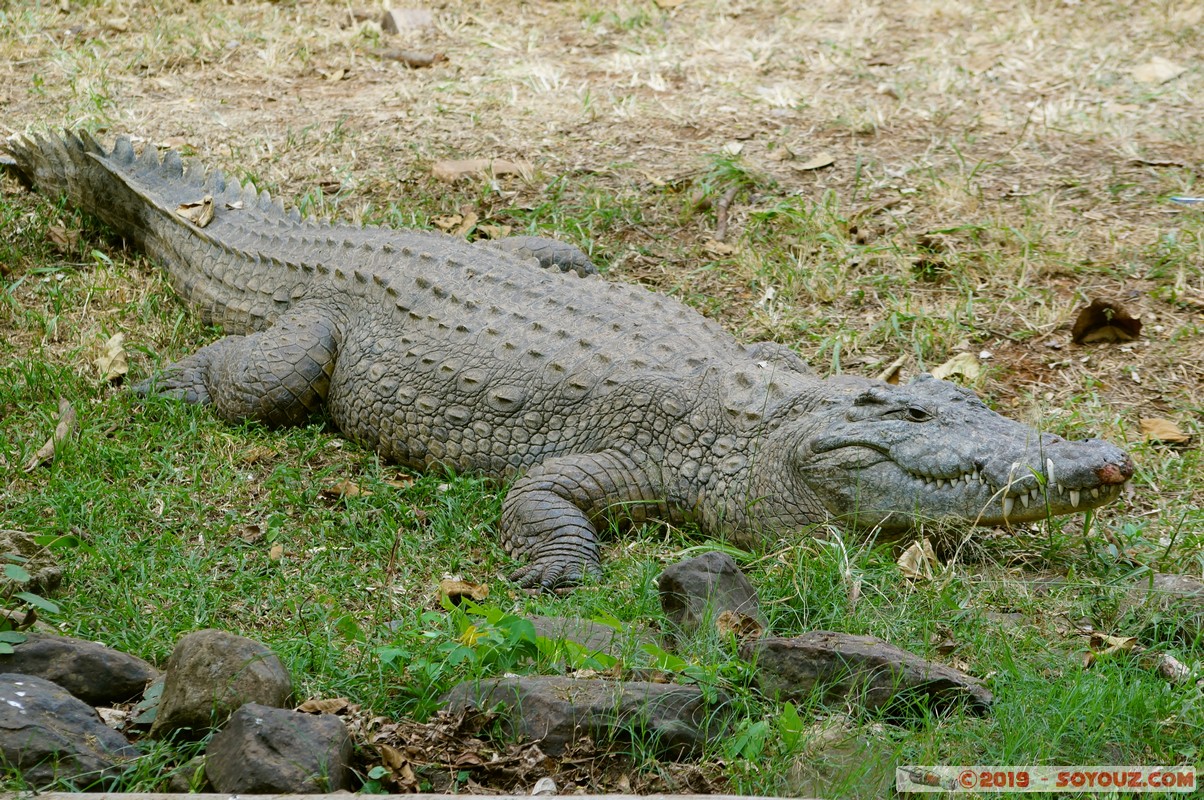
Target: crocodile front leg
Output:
[(550, 513), (279, 376), (548, 252)]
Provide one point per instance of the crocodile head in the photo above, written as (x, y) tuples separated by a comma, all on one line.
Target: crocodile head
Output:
[(886, 456)]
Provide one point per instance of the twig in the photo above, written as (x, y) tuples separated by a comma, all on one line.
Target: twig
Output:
[(721, 212)]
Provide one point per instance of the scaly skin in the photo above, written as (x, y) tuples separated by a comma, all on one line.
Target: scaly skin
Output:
[(596, 399)]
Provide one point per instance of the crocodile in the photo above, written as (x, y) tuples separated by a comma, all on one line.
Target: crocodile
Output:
[(595, 401)]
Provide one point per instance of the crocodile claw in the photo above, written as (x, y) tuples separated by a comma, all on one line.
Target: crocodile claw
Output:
[(553, 573)]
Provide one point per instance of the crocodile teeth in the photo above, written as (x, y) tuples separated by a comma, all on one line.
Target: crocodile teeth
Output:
[(1049, 473), (1035, 494), (966, 478), (1074, 498), (940, 484), (1024, 499), (1061, 489), (1008, 504), (1095, 492)]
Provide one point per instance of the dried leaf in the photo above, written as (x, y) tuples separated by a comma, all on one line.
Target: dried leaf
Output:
[(200, 213), (68, 424), (396, 20), (1156, 429), (718, 248), (891, 373), (112, 362), (739, 625), (62, 239), (455, 590), (963, 365), (492, 231), (1103, 321), (344, 488), (1157, 70), (403, 482), (817, 161), (1105, 645), (918, 561), (452, 171), (332, 705), (466, 225), (19, 620), (276, 552), (412, 58)]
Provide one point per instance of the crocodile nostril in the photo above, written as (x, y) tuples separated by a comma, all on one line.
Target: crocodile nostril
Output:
[(1112, 474)]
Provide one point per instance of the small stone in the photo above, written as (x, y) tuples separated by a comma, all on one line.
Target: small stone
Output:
[(696, 592), (544, 786), (98, 675), (22, 549), (593, 636), (265, 750), (556, 711), (48, 734), (861, 669), (396, 20), (209, 675)]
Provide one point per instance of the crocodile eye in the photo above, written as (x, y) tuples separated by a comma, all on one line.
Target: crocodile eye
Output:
[(917, 414)]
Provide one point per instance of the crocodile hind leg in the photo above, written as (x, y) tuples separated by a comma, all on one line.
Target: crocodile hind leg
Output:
[(549, 514), (548, 252), (279, 376)]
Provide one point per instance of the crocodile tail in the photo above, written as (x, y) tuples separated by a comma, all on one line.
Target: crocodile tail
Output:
[(125, 189)]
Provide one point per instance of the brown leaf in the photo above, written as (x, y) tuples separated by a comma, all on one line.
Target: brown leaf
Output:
[(739, 625), (67, 425), (718, 248), (455, 590), (276, 552), (918, 561), (332, 705), (891, 373), (1156, 429), (1157, 70), (396, 20), (1103, 321), (112, 362), (199, 213), (62, 239), (1106, 645), (963, 365), (343, 488), (492, 231), (412, 58), (817, 161), (452, 171), (403, 482)]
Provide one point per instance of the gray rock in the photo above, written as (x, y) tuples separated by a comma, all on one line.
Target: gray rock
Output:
[(674, 720), (695, 592), (264, 750), (22, 549), (1180, 597), (48, 734), (861, 669), (209, 675), (98, 675), (593, 636)]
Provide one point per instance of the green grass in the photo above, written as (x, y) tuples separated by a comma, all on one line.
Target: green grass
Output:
[(184, 522)]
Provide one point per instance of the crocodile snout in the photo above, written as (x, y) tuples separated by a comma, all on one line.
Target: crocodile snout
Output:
[(1117, 473)]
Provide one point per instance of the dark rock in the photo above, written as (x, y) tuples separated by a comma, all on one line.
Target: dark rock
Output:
[(697, 591), (209, 675), (48, 734), (264, 750), (22, 549), (98, 675), (1173, 597), (593, 636), (674, 720), (861, 669)]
